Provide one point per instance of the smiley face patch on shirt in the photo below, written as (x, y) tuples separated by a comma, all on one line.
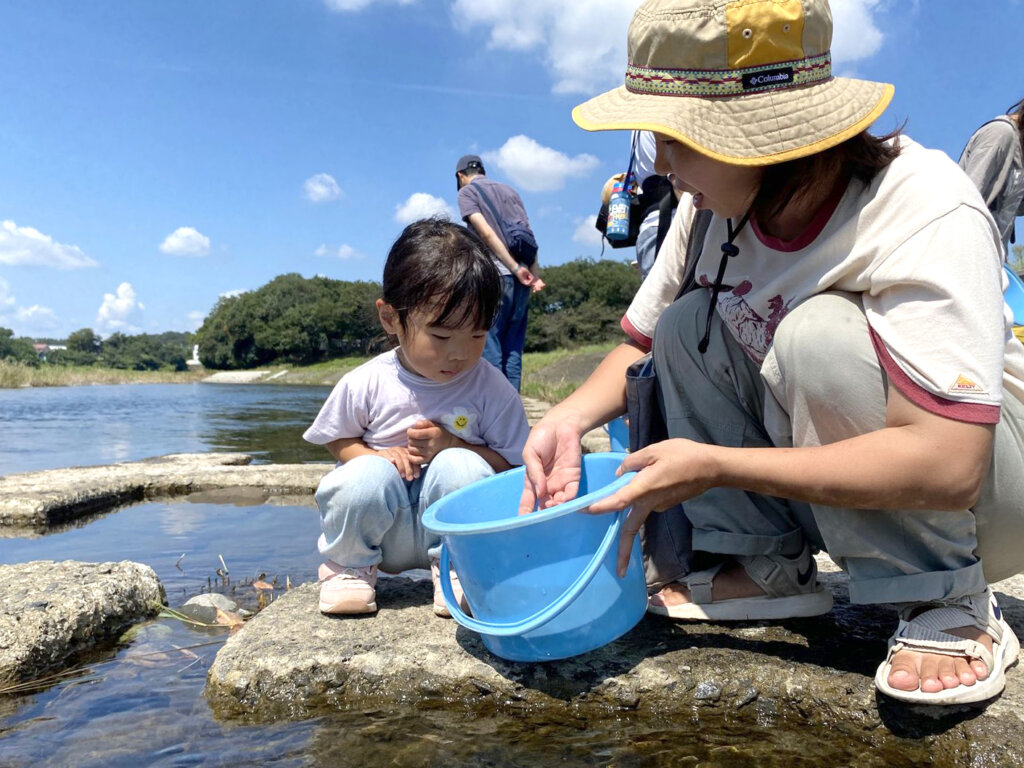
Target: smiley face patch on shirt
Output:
[(460, 421)]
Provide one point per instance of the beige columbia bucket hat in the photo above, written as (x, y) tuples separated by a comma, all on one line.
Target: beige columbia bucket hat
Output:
[(747, 82)]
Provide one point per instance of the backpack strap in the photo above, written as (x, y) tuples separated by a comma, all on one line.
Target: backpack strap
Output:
[(694, 248), (666, 206)]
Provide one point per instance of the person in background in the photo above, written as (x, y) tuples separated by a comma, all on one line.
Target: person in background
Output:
[(415, 423), (653, 189), (655, 196), (994, 159), (488, 207), (838, 381)]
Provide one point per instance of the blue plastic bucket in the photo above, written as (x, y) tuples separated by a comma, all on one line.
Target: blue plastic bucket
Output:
[(541, 586), (618, 434), (1014, 296)]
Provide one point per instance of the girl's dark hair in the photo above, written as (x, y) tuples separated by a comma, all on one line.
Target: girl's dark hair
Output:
[(861, 158), (436, 265)]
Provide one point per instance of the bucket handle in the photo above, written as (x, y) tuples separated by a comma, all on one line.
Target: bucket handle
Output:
[(544, 615)]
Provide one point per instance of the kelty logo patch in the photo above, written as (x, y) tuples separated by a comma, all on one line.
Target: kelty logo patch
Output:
[(964, 386)]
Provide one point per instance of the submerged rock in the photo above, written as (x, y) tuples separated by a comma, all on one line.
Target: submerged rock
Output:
[(44, 498), (50, 611), (291, 661)]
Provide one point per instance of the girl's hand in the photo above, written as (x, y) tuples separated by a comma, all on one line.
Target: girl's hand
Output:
[(407, 465), (552, 458), (427, 439), (668, 473)]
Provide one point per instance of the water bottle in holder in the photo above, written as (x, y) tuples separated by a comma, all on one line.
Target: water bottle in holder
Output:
[(617, 227)]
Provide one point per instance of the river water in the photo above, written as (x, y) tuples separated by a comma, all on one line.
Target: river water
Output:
[(140, 702), (50, 427)]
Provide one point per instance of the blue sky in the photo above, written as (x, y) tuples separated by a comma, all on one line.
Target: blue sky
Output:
[(157, 155)]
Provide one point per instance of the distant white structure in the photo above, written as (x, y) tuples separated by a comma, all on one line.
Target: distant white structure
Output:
[(195, 356)]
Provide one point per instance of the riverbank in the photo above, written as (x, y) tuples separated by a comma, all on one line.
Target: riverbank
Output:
[(16, 375), (548, 376)]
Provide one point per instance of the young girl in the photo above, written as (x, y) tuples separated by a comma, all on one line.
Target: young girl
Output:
[(414, 423)]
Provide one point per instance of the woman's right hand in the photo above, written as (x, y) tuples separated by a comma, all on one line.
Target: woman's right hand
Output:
[(553, 459)]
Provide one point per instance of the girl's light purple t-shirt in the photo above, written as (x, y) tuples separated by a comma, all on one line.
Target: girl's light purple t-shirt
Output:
[(380, 400)]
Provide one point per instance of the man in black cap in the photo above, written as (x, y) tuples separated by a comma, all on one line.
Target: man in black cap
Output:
[(495, 211)]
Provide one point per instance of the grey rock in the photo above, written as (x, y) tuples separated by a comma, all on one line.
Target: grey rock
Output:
[(213, 600), (290, 661), (44, 498), (50, 611)]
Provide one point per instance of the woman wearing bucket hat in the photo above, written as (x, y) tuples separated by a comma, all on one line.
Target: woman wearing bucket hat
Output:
[(842, 383)]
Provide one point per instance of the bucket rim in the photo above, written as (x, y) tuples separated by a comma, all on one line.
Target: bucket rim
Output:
[(431, 523)]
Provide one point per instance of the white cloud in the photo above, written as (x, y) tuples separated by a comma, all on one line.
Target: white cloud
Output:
[(537, 168), (195, 319), (855, 35), (233, 293), (6, 298), (321, 188), (358, 5), (585, 232), (118, 311), (35, 320), (186, 241), (30, 321), (584, 49), (25, 246), (343, 252), (420, 205), (585, 52)]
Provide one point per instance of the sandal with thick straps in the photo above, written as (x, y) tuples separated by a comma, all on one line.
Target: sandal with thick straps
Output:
[(926, 633), (790, 586)]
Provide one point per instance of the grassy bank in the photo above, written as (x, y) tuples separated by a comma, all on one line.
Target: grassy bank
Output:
[(549, 376), (13, 375)]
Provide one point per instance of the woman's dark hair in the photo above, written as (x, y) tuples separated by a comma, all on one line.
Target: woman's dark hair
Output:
[(442, 267), (860, 158)]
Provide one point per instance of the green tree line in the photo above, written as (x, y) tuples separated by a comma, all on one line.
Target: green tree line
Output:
[(291, 319), (300, 320), (297, 320), (142, 352)]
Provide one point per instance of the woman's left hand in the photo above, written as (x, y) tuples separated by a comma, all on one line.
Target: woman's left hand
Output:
[(668, 473), (427, 439)]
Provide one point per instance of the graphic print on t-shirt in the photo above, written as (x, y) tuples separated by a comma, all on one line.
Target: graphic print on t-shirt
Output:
[(459, 421), (749, 328)]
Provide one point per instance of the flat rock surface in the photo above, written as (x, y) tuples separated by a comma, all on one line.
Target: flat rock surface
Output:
[(33, 500), (292, 661), (58, 495), (50, 611)]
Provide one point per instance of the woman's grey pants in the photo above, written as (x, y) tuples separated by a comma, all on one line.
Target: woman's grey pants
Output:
[(820, 383)]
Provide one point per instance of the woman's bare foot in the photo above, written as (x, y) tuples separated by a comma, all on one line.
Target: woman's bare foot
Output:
[(933, 672), (910, 670)]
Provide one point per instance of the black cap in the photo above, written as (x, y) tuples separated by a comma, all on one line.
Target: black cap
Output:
[(469, 161)]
